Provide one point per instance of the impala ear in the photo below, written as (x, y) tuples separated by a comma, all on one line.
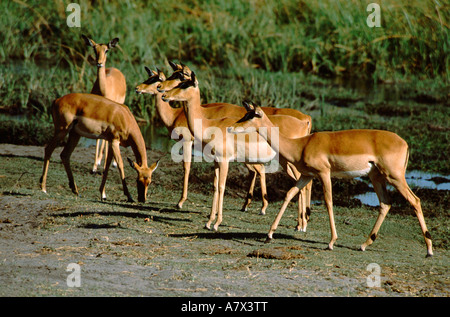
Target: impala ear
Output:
[(161, 75), (248, 105), (113, 42), (133, 164), (174, 66), (185, 69), (149, 72), (88, 41), (154, 166)]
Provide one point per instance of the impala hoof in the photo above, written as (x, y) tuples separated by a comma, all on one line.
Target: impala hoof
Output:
[(268, 240), (180, 204)]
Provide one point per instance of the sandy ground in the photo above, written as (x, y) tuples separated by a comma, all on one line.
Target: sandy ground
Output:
[(156, 250)]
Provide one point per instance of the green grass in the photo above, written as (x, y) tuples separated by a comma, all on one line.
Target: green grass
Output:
[(327, 37), (319, 57)]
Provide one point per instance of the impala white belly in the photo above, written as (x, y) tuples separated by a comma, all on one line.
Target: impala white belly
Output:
[(250, 149), (90, 128), (353, 173)]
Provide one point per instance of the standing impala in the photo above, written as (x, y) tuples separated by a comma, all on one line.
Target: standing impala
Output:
[(96, 117), (183, 72), (381, 155), (223, 151), (175, 121), (110, 84)]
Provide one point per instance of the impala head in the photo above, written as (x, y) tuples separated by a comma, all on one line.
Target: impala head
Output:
[(180, 73), (100, 50), (250, 121), (144, 178), (150, 85), (183, 91)]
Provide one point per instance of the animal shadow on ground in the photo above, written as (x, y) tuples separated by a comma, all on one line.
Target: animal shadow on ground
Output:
[(131, 214)]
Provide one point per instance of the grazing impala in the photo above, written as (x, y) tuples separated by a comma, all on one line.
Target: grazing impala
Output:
[(96, 117), (110, 84), (224, 151), (381, 155)]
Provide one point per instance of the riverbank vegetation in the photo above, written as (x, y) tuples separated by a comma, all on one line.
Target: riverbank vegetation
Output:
[(320, 57)]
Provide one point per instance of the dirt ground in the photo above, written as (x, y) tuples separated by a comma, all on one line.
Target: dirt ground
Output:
[(154, 249)]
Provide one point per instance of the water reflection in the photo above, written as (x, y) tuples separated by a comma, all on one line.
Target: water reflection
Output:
[(415, 179)]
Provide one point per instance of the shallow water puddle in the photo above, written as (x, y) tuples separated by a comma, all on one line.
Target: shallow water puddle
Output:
[(415, 179)]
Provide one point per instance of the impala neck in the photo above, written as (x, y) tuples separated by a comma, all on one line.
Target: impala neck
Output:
[(137, 144), (167, 114), (194, 113), (101, 78), (289, 149)]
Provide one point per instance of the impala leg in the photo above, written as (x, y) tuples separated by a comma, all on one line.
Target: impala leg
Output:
[(260, 170), (97, 153), (65, 158), (402, 186), (328, 195), (114, 161), (304, 199), (114, 147), (252, 177), (103, 151), (293, 173), (379, 185), (305, 210), (223, 172), (214, 206), (262, 176), (302, 182), (105, 175), (97, 147), (107, 148), (50, 147), (308, 190), (302, 222), (187, 158)]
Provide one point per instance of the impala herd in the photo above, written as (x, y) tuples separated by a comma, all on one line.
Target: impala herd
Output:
[(258, 134)]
